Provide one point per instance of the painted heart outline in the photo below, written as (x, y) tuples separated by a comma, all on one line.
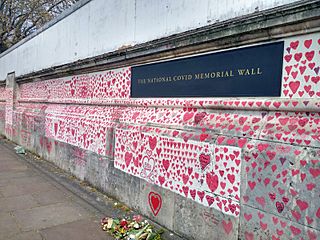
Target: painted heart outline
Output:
[(155, 202)]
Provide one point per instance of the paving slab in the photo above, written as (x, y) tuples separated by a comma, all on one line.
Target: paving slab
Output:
[(12, 190), (48, 216), (86, 229), (16, 174), (8, 226), (12, 166), (4, 182), (17, 203), (51, 197), (27, 236)]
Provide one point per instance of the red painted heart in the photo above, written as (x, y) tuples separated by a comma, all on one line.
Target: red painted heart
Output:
[(280, 206), (307, 43), (166, 164), (199, 116), (302, 204), (294, 44), (155, 202), (294, 86), (128, 158), (204, 160), (227, 226), (315, 172), (212, 181), (152, 142)]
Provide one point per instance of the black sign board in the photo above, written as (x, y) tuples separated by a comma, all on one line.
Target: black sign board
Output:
[(246, 72)]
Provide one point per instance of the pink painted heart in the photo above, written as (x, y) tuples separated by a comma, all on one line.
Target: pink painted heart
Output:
[(152, 142), (199, 116), (271, 155), (302, 205), (247, 216), (245, 198), (294, 74), (262, 146), (283, 121), (294, 86), (294, 44), (128, 158), (204, 160), (242, 142), (318, 213), (295, 231), (312, 235), (288, 68), (251, 184), (210, 200), (185, 189), (302, 69), (201, 195), (249, 236), (227, 226), (260, 215), (315, 172), (212, 181), (136, 161), (288, 58), (193, 194), (261, 201), (296, 214), (203, 136), (231, 178), (175, 133), (187, 116), (161, 180), (185, 178), (272, 196), (310, 186), (263, 225), (55, 128), (158, 150), (309, 55), (298, 56), (315, 79), (307, 43), (285, 199), (166, 164)]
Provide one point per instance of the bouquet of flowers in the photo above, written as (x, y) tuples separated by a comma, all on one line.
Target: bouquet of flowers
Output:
[(130, 229)]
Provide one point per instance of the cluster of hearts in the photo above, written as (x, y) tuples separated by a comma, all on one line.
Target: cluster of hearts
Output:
[(301, 67), (203, 172)]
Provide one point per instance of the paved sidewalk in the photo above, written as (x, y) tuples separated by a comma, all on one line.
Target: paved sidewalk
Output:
[(34, 206)]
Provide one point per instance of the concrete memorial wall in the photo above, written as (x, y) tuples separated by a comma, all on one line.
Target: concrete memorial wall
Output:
[(209, 123), (206, 168)]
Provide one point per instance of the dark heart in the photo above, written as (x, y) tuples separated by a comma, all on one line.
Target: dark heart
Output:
[(280, 206)]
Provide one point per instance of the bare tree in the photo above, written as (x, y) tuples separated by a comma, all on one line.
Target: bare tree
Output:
[(19, 18)]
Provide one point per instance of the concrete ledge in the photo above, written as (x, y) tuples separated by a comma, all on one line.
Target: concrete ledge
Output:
[(246, 104)]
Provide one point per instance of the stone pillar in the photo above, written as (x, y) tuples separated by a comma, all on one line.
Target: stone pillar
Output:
[(11, 89)]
